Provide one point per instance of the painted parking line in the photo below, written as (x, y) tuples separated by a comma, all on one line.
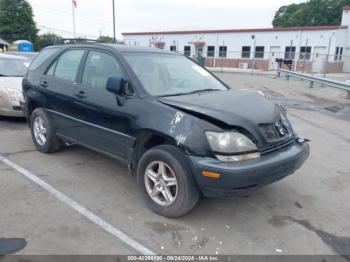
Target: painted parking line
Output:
[(79, 208)]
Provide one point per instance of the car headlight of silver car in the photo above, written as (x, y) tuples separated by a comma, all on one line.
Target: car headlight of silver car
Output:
[(232, 146), (14, 94)]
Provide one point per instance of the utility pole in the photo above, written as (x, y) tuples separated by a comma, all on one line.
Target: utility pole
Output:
[(114, 39), (327, 57), (254, 47), (305, 53), (74, 5)]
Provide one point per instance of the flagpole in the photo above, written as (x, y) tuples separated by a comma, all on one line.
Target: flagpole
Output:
[(73, 18), (113, 22)]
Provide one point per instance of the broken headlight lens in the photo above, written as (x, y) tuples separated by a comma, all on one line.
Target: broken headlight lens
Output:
[(232, 146)]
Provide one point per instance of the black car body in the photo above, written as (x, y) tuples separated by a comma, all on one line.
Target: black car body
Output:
[(125, 121)]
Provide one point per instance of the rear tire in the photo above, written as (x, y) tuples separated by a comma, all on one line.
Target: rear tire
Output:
[(166, 182), (43, 136)]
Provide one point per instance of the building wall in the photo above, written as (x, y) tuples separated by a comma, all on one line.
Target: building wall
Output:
[(323, 43)]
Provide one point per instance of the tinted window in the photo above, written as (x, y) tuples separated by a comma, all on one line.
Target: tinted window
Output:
[(98, 68), (290, 52), (46, 53), (222, 51), (68, 64), (211, 51), (51, 70), (259, 51), (187, 50), (245, 51)]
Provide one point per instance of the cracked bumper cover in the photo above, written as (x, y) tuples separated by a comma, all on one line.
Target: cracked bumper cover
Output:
[(243, 177)]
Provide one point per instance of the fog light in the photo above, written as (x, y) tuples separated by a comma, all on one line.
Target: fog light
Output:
[(211, 175)]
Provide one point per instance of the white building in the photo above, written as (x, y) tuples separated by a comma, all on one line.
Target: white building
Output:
[(309, 47)]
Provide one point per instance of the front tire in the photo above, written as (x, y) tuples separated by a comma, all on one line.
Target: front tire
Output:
[(43, 136), (166, 182)]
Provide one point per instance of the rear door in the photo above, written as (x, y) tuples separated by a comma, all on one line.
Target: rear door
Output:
[(104, 122), (58, 84)]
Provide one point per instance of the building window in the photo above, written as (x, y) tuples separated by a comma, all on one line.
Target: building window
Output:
[(222, 51), (259, 51), (187, 50), (245, 51), (173, 48), (211, 51), (338, 53), (290, 52), (305, 52)]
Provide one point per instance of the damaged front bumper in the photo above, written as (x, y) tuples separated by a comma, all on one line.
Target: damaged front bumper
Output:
[(240, 178)]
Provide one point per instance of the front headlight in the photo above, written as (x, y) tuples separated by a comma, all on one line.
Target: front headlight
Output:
[(232, 146), (14, 94)]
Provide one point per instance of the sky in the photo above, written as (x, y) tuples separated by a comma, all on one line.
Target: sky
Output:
[(95, 17)]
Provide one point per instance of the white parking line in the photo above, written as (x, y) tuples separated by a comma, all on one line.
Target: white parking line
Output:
[(79, 208)]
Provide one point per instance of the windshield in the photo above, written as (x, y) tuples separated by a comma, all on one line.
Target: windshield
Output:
[(166, 74), (13, 67)]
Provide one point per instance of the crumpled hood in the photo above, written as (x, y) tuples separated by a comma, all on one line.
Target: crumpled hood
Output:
[(245, 109), (12, 82)]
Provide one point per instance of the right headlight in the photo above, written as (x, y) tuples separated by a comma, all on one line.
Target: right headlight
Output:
[(232, 146)]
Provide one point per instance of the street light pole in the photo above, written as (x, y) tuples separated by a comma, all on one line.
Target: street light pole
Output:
[(113, 23)]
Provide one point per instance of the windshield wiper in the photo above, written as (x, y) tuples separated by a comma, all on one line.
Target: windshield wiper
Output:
[(192, 92), (204, 90)]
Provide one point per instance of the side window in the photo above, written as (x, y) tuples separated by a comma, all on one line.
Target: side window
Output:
[(68, 64), (46, 53), (51, 70), (98, 68)]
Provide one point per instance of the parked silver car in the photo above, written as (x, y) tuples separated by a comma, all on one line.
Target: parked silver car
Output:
[(12, 70)]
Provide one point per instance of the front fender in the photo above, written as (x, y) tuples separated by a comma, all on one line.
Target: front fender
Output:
[(185, 130)]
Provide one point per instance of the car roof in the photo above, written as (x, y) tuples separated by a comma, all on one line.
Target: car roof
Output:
[(118, 48)]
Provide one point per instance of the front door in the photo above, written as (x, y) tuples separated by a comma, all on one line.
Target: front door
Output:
[(275, 52), (319, 59), (103, 122)]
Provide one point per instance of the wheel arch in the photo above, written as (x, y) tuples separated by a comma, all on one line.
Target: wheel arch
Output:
[(33, 101), (145, 140)]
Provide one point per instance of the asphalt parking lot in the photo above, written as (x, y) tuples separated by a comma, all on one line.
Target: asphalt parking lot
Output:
[(305, 213)]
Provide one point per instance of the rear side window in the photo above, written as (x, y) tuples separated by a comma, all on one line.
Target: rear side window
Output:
[(68, 64), (42, 57), (98, 68)]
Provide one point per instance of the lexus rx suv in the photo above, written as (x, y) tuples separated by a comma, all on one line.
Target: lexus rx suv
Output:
[(182, 132)]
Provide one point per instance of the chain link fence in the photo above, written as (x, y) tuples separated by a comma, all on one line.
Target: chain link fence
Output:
[(306, 62)]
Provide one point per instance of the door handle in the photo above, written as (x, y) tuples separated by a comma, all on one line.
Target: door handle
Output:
[(44, 84), (81, 95)]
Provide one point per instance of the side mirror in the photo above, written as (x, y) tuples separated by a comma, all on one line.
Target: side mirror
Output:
[(115, 85)]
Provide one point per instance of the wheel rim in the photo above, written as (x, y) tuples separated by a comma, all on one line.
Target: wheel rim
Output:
[(161, 183), (39, 130)]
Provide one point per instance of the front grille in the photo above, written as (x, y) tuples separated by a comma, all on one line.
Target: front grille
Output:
[(276, 147), (275, 132)]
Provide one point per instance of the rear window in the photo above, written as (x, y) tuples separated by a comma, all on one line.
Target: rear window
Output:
[(43, 55)]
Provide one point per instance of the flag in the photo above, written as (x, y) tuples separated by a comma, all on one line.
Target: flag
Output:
[(74, 3)]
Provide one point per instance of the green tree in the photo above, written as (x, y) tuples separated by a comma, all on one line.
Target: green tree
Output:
[(106, 39), (311, 13), (16, 21), (109, 39), (47, 40)]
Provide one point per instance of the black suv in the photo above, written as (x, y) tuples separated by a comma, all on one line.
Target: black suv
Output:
[(180, 130)]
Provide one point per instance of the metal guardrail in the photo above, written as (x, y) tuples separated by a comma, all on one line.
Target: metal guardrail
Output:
[(316, 79)]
